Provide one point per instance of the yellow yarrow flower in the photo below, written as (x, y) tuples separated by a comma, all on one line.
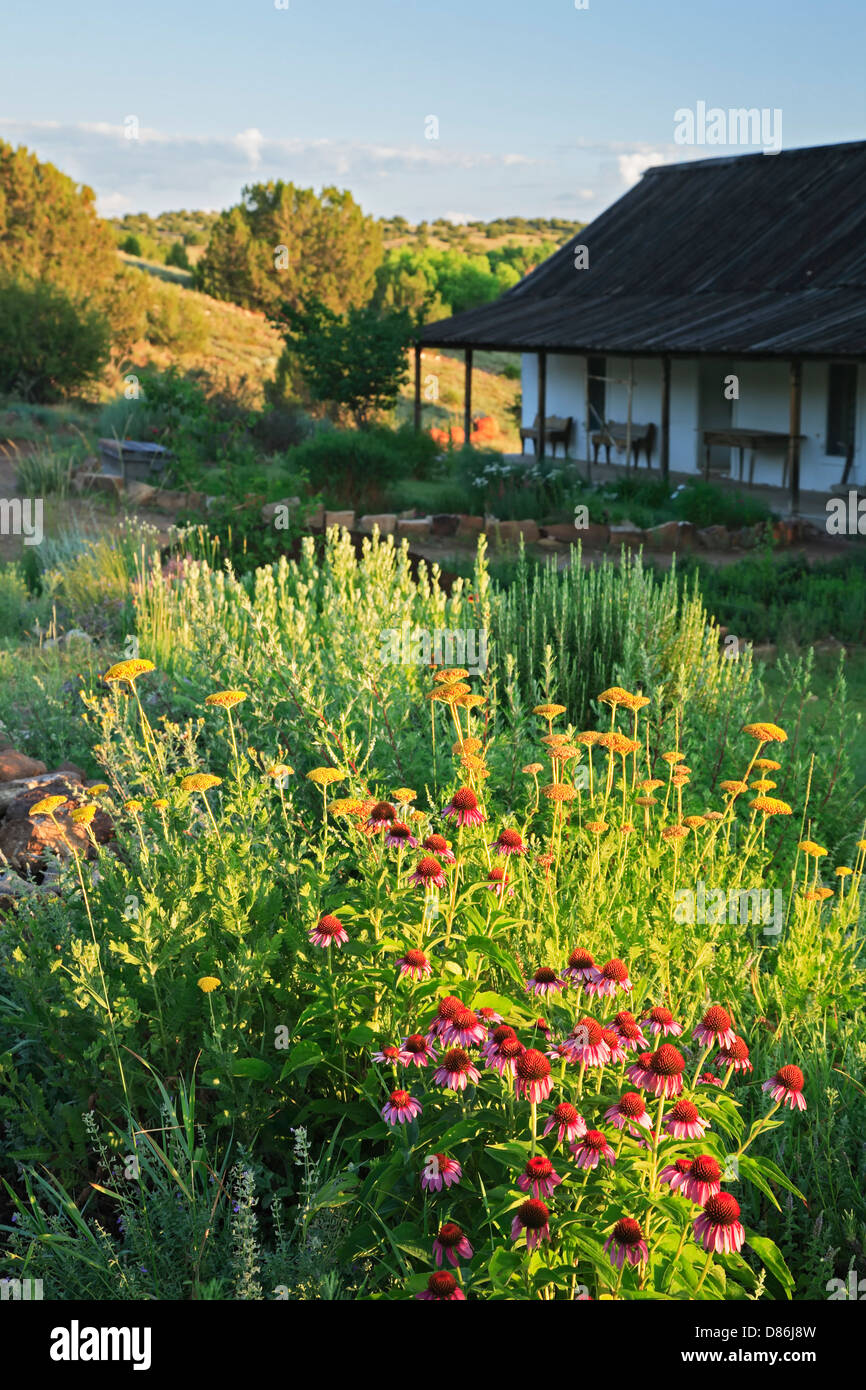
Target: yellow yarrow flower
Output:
[(766, 733), (133, 805), (404, 795), (48, 805), (809, 848), (616, 695), (324, 776), (770, 806), (549, 711), (98, 789), (200, 782), (208, 983), (129, 670), (83, 815), (226, 699)]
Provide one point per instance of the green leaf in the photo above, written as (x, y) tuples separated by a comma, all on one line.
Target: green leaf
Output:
[(303, 1055), (770, 1256), (256, 1068)]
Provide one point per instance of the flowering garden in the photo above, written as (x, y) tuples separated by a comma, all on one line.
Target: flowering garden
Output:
[(390, 983)]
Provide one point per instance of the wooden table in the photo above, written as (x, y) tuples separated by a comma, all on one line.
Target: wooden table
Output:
[(753, 440)]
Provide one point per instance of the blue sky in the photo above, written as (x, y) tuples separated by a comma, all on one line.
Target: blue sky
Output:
[(543, 109)]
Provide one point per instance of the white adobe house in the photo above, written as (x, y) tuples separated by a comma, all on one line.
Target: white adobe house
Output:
[(716, 313)]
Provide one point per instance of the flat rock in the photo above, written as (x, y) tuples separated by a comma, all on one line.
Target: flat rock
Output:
[(444, 524), (513, 530), (316, 519), (384, 522), (345, 519), (414, 525), (671, 536), (139, 494), (714, 537), (15, 765), (469, 525), (10, 791), (626, 533), (19, 808), (98, 482)]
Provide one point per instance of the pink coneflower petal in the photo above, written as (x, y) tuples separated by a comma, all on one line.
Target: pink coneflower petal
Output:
[(608, 979), (532, 1075), (581, 966), (539, 1177), (415, 964), (591, 1148), (400, 1108), (568, 1123), (715, 1028), (442, 1287), (626, 1243), (660, 1020), (418, 1049), (456, 1070), (684, 1122), (664, 1075), (465, 808), (440, 1171), (718, 1228), (704, 1179), (508, 842), (544, 981), (630, 1112), (532, 1216), (451, 1244), (787, 1086), (329, 931)]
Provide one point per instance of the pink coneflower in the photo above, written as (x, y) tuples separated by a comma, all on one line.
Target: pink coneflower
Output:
[(415, 964), (715, 1028), (628, 1031), (465, 808), (400, 1108), (588, 1044), (611, 977), (581, 966), (561, 1052), (626, 1242), (615, 1045), (440, 1171), (544, 981), (665, 1071), (393, 1056), (532, 1075), (497, 882), (442, 1287), (569, 1124), (639, 1070), (676, 1174), (629, 1112), (704, 1179), (418, 1050), (718, 1228), (428, 873), (590, 1148), (787, 1086), (439, 846), (451, 1244), (465, 1028), (532, 1216), (328, 931), (508, 842), (541, 1025), (490, 1017), (503, 1056), (456, 1070), (446, 1011), (539, 1177), (706, 1078), (661, 1020), (684, 1122), (399, 836), (381, 815), (736, 1056), (497, 1036)]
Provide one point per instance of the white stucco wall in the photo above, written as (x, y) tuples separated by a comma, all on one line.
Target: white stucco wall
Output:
[(763, 403)]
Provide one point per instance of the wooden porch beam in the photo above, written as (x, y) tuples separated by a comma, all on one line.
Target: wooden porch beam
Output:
[(467, 398), (542, 403), (794, 416), (665, 442)]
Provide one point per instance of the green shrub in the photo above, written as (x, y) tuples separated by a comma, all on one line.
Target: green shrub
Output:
[(131, 245), (354, 467), (50, 347), (175, 320)]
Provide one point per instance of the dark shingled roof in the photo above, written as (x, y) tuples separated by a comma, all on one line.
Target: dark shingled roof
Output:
[(759, 255)]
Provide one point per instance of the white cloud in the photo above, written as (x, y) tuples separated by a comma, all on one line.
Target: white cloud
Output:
[(631, 166)]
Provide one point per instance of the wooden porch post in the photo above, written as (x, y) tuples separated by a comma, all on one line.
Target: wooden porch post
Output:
[(588, 423), (665, 444), (542, 403), (794, 433), (417, 387), (467, 399)]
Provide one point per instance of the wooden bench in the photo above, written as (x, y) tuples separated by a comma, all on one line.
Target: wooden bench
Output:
[(614, 434), (756, 441), (557, 430)]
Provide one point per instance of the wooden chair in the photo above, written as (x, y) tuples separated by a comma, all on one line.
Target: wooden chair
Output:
[(616, 434), (557, 430)]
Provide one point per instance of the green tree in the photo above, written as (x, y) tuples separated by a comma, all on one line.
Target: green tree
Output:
[(357, 360), (50, 232), (50, 345), (177, 256), (288, 245)]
